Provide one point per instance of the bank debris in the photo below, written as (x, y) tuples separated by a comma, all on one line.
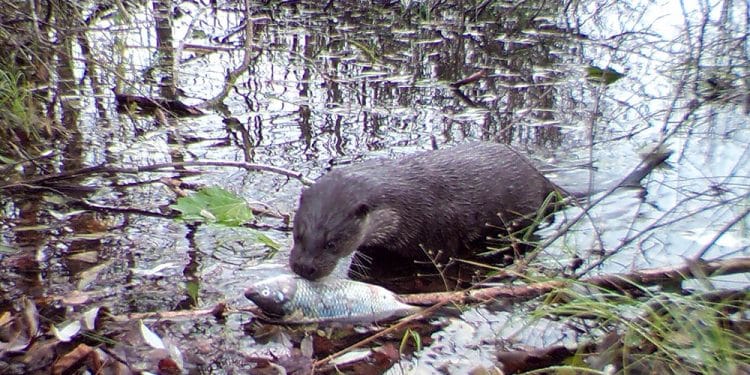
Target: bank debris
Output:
[(98, 341)]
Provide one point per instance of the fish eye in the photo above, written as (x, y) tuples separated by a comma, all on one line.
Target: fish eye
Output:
[(265, 292), (330, 245)]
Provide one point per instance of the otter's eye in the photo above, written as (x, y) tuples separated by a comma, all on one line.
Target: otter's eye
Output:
[(330, 245)]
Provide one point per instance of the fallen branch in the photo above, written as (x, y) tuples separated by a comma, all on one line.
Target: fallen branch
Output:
[(218, 310), (629, 281)]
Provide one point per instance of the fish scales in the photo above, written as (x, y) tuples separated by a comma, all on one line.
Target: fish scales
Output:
[(296, 300)]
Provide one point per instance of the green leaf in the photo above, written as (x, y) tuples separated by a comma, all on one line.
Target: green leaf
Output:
[(415, 337), (268, 241), (214, 205), (607, 75), (7, 160), (7, 249), (193, 290)]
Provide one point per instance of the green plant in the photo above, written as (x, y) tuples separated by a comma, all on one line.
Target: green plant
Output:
[(414, 336), (214, 205), (16, 118), (664, 331)]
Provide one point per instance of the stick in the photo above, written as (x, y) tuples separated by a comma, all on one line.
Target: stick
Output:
[(629, 281)]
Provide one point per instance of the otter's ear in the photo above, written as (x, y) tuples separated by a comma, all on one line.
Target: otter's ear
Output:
[(361, 210)]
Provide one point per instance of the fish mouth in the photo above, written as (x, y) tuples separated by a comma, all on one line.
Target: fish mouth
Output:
[(271, 308)]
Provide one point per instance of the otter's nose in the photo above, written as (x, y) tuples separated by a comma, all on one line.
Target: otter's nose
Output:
[(306, 270)]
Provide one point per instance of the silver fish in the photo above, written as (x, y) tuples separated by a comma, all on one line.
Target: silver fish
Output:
[(293, 299)]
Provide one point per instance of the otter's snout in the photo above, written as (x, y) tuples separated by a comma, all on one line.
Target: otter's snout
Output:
[(305, 269)]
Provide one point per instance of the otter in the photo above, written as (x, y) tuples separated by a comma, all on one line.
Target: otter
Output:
[(446, 200)]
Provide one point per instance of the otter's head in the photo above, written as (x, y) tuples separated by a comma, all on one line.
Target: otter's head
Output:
[(329, 225)]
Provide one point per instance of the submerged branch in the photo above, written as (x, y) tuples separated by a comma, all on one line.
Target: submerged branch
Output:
[(103, 168)]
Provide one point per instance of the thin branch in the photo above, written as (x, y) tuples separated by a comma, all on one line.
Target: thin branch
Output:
[(720, 233), (123, 210), (629, 281), (103, 168), (247, 59)]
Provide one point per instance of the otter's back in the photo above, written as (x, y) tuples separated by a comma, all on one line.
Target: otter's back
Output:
[(449, 198)]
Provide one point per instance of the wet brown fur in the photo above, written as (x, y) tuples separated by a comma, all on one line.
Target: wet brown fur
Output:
[(444, 200)]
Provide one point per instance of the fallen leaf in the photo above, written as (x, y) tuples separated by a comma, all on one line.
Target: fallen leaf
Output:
[(86, 256), (30, 316), (214, 204), (5, 318), (75, 297), (176, 355), (156, 271), (306, 346), (67, 332), (86, 277), (12, 340), (151, 338), (89, 318), (351, 357), (167, 366), (72, 360), (40, 354), (64, 215)]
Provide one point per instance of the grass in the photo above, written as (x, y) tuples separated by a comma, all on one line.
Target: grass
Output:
[(19, 128), (658, 331), (14, 100)]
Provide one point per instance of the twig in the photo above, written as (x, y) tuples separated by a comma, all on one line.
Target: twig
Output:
[(125, 210), (222, 163), (220, 309), (720, 233), (236, 73), (470, 79)]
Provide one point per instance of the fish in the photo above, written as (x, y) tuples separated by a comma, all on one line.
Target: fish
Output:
[(291, 299)]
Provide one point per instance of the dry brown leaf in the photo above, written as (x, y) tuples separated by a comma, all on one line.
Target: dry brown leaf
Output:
[(75, 297), (167, 366), (72, 360), (40, 354), (30, 316)]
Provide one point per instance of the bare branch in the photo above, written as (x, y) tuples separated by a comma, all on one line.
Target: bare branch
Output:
[(629, 281)]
